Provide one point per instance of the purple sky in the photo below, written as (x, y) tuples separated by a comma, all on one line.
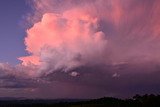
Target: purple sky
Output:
[(12, 31), (79, 48)]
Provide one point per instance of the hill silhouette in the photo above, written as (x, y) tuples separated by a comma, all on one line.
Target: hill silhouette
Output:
[(137, 101)]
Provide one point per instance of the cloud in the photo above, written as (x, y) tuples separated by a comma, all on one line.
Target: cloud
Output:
[(74, 74), (17, 76), (98, 46), (92, 32), (62, 42)]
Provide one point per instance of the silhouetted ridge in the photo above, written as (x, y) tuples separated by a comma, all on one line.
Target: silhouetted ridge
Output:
[(137, 101)]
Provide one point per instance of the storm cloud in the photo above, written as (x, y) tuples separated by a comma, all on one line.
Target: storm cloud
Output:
[(93, 47)]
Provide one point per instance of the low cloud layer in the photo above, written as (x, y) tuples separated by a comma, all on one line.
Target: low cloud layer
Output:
[(106, 47)]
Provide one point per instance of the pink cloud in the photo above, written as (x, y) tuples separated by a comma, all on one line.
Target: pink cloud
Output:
[(30, 60), (66, 41), (91, 33), (103, 44)]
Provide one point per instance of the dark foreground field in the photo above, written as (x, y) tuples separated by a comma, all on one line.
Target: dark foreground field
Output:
[(136, 101)]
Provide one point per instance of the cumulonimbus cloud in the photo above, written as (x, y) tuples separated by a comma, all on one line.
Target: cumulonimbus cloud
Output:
[(100, 44), (65, 41), (92, 32)]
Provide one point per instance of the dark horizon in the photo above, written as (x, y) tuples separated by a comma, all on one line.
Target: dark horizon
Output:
[(136, 101)]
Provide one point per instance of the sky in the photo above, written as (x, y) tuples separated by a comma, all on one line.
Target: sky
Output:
[(12, 31), (79, 49)]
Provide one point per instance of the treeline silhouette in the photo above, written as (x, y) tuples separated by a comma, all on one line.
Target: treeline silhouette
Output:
[(137, 101)]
